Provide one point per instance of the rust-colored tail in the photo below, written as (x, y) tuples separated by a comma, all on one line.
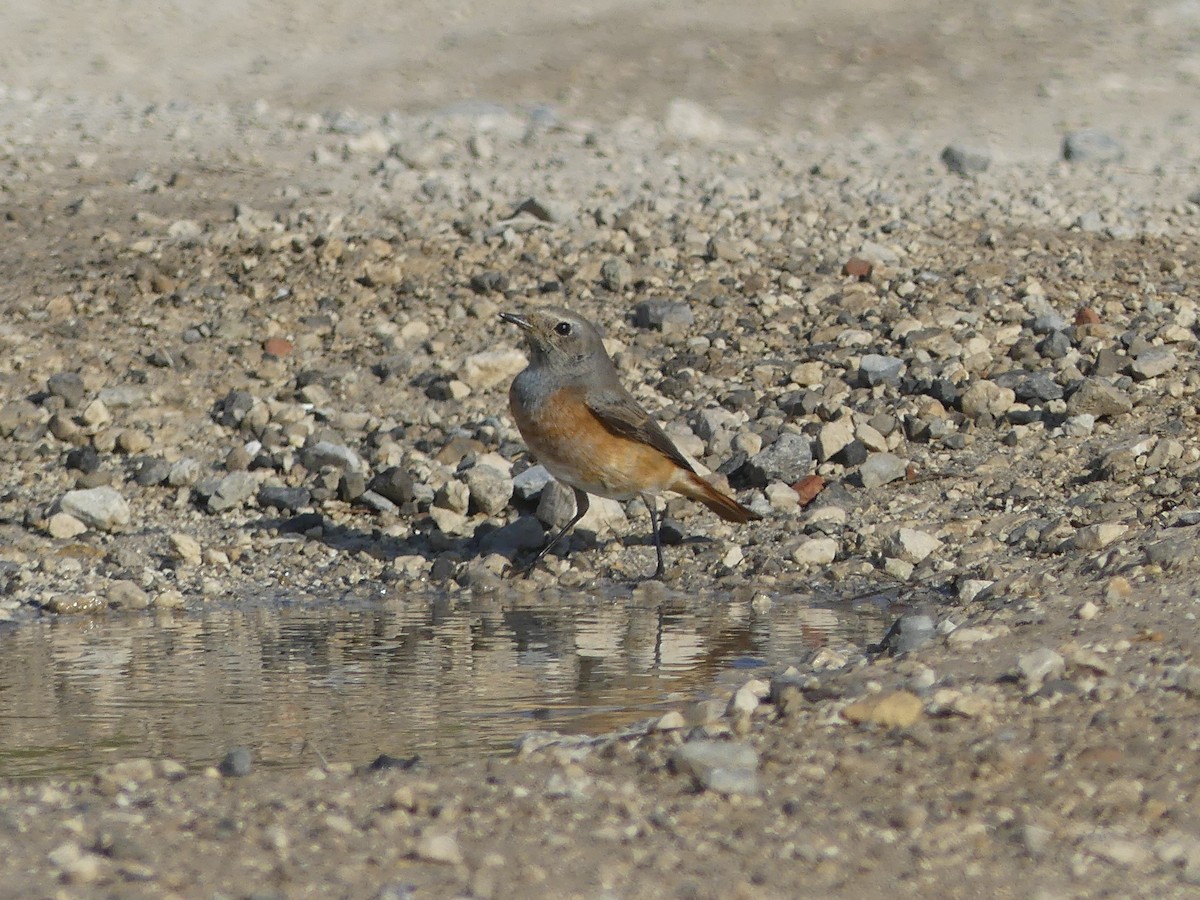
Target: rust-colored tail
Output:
[(696, 488)]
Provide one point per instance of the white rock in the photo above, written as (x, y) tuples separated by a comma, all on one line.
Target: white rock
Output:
[(733, 557), (1097, 537), (481, 371), (834, 437), (971, 588), (98, 507), (64, 526), (782, 497), (96, 413), (440, 848), (743, 703), (1038, 665), (450, 522), (689, 121), (818, 551), (871, 438), (556, 506), (987, 397), (185, 548), (912, 545)]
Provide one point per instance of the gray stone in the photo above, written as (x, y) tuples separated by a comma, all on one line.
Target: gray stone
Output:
[(986, 398), (127, 595), (526, 533), (1154, 361), (377, 502), (184, 472), (529, 483), (965, 161), (557, 505), (660, 314), (615, 274), (1091, 146), (875, 369), (395, 484), (910, 632), (231, 491), (1039, 665), (1056, 345), (1030, 386), (1098, 398), (1098, 536), (490, 489), (68, 385), (881, 468), (721, 766), (98, 507), (237, 763), (152, 471), (327, 453), (788, 459), (285, 499), (351, 486)]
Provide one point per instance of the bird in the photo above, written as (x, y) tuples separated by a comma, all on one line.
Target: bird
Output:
[(589, 432)]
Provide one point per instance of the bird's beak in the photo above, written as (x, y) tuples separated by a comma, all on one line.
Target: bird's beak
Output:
[(513, 319)]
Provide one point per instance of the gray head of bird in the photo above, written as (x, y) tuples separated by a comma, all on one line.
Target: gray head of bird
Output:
[(558, 337)]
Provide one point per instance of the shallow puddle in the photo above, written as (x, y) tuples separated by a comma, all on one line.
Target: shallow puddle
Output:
[(402, 675)]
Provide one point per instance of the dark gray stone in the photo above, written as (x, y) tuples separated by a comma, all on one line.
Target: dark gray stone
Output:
[(237, 763), (964, 161), (395, 484), (788, 459), (83, 459), (151, 471), (284, 499), (68, 385), (1055, 345)]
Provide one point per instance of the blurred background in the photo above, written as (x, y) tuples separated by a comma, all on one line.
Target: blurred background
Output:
[(1014, 75)]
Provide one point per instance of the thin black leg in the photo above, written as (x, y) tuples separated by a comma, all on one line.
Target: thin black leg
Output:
[(648, 499), (581, 508)]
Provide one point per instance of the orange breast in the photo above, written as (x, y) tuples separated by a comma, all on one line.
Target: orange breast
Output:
[(576, 448)]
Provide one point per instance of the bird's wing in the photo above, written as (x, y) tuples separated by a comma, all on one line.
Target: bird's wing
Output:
[(623, 416)]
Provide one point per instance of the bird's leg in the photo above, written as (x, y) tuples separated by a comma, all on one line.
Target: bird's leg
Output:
[(581, 508), (649, 500)]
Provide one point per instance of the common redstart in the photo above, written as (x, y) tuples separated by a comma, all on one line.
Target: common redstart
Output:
[(590, 433)]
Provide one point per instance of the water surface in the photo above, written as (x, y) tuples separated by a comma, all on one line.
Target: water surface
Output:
[(440, 678)]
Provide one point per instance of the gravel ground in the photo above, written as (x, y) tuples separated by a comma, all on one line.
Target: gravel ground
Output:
[(253, 344)]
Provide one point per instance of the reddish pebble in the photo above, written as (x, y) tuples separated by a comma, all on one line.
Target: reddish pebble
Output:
[(279, 347), (808, 487), (857, 267), (1085, 315), (910, 473)]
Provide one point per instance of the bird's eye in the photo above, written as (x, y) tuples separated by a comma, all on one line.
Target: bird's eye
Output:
[(563, 328)]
